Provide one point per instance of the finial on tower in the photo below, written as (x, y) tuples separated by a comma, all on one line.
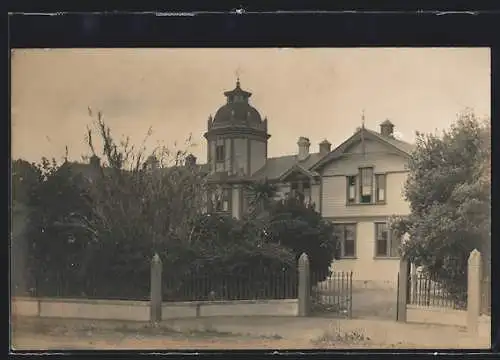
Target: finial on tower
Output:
[(237, 72), (363, 118)]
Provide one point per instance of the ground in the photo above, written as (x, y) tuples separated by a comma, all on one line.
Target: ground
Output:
[(236, 333)]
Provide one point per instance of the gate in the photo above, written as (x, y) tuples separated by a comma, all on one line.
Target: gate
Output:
[(332, 296)]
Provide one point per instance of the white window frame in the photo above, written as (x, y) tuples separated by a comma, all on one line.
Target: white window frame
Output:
[(342, 239), (390, 251)]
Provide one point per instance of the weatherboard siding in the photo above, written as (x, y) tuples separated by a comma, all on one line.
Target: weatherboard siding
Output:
[(371, 146), (377, 272), (334, 199), (334, 202), (349, 164)]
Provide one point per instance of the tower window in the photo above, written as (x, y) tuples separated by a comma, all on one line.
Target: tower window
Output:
[(219, 150), (219, 153)]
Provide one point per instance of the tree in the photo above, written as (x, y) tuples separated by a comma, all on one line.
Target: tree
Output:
[(139, 205), (25, 178), (261, 197), (51, 252), (302, 229), (229, 252), (448, 189)]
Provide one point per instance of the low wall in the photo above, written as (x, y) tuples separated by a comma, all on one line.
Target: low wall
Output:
[(139, 310), (436, 315)]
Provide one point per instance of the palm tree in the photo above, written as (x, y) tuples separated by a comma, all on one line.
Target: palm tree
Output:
[(261, 196)]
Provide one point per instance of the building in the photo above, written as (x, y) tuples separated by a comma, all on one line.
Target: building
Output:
[(357, 185)]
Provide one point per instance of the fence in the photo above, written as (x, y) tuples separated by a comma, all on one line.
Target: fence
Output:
[(63, 285), (486, 296), (248, 285), (333, 294), (477, 296), (426, 291)]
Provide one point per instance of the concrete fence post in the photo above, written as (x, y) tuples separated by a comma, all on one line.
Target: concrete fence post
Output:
[(156, 292), (473, 291), (414, 282), (402, 290), (304, 286)]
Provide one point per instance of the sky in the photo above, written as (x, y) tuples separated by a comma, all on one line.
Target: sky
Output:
[(318, 93)]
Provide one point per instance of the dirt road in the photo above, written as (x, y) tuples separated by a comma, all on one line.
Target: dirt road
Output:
[(234, 333)]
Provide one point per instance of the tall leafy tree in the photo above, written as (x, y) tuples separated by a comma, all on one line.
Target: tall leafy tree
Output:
[(52, 252), (448, 189)]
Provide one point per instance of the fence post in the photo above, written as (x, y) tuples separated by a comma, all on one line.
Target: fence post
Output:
[(304, 286), (156, 293), (473, 291), (402, 290), (414, 282)]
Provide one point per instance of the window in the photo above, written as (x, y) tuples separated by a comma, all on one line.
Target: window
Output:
[(301, 190), (351, 189), (226, 198), (371, 187), (380, 188), (347, 239), (219, 150), (366, 183), (307, 193), (221, 199), (386, 242)]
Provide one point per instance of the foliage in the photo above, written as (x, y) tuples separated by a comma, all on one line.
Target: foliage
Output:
[(261, 197), (235, 244), (57, 192), (228, 253), (448, 189), (295, 225), (94, 228), (25, 178), (301, 228)]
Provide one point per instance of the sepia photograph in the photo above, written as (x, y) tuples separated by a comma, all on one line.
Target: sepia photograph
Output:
[(250, 198)]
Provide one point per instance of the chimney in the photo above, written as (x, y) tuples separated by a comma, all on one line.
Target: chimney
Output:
[(303, 144), (95, 162), (325, 147), (387, 128), (190, 160)]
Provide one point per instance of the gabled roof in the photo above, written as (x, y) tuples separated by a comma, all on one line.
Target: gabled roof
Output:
[(276, 167), (298, 169), (400, 146)]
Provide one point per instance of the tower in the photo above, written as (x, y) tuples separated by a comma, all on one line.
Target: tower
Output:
[(236, 136)]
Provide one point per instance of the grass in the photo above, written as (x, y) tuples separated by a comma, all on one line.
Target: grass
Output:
[(58, 327), (337, 336)]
